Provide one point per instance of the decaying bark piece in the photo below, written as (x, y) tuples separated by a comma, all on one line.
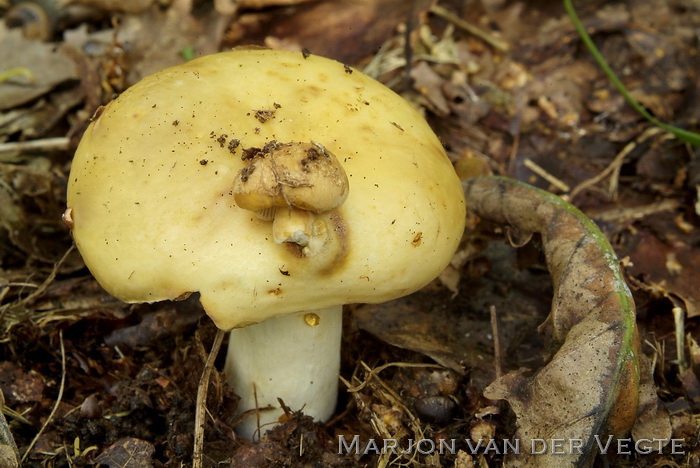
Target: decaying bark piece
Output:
[(590, 386)]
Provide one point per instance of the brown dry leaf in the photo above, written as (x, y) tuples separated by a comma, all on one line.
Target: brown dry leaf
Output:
[(12, 218), (19, 386), (564, 87), (18, 184), (590, 386), (39, 119), (429, 84), (406, 324), (349, 31), (48, 65), (691, 384), (156, 39), (693, 350), (672, 271), (127, 453), (154, 326)]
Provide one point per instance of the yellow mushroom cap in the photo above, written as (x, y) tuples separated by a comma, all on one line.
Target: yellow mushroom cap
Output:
[(153, 209)]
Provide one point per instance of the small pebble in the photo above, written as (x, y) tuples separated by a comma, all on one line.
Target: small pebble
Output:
[(436, 409)]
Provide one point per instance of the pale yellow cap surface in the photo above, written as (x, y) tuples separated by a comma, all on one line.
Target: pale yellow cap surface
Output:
[(151, 188)]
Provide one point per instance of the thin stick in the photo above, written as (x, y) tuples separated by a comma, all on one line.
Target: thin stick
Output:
[(618, 215), (201, 408), (58, 400), (407, 48), (613, 169), (470, 28), (542, 172), (257, 411), (47, 145), (679, 321), (497, 354)]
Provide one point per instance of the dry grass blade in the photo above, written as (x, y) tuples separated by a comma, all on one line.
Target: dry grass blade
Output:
[(613, 169), (377, 370), (497, 350), (36, 293), (381, 391), (55, 406), (13, 312), (679, 322)]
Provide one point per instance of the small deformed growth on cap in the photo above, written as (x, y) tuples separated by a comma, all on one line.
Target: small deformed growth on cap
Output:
[(290, 175), (295, 182)]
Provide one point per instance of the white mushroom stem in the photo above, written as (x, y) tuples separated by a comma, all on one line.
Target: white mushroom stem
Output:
[(295, 358)]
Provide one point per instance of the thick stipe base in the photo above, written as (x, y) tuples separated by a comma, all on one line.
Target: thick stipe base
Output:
[(285, 358)]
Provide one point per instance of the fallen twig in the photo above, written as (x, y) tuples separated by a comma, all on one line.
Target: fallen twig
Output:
[(201, 408)]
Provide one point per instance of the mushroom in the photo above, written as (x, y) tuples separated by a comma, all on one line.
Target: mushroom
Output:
[(277, 185)]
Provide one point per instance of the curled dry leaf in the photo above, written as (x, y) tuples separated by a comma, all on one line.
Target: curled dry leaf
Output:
[(590, 386), (46, 67)]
